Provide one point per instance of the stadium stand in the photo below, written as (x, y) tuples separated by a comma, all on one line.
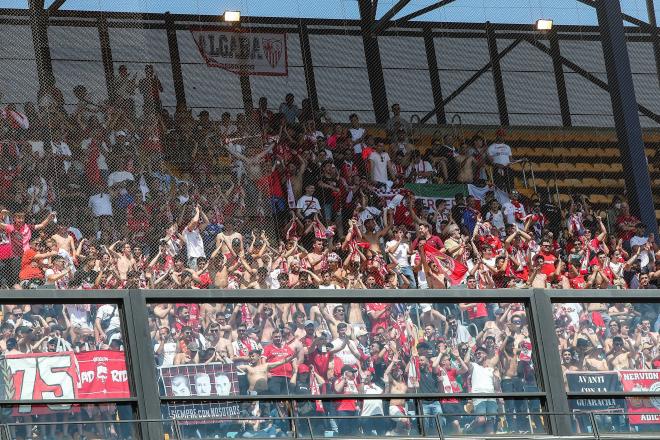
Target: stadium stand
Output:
[(176, 270)]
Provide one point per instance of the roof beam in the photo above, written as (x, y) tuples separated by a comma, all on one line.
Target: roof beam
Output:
[(384, 21), (592, 78), (374, 10), (424, 10), (55, 5), (646, 27)]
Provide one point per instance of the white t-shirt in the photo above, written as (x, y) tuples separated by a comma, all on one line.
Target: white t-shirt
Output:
[(100, 204), (194, 243), (379, 163), (357, 133), (421, 275), (372, 407), (500, 154), (106, 311), (308, 205), (421, 167), (401, 253), (169, 352), (482, 381)]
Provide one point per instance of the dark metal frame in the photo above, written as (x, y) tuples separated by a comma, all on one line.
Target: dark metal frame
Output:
[(404, 27), (144, 383)]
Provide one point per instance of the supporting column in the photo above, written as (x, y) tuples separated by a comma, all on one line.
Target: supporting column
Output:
[(559, 79), (308, 65), (106, 56), (625, 111), (542, 327), (434, 75), (39, 28), (175, 60), (374, 65), (497, 74), (655, 36), (246, 93)]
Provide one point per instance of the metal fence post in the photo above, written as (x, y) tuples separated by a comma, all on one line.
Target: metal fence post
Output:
[(594, 426), (177, 429)]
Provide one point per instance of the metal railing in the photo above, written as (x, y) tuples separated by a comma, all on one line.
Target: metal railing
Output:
[(315, 427)]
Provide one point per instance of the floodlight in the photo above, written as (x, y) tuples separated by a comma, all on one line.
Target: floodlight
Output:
[(543, 25), (232, 16)]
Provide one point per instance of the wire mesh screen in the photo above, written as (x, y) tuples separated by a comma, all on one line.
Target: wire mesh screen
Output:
[(131, 148)]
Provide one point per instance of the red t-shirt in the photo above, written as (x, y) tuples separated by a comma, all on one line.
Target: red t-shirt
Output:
[(5, 242), (27, 271), (433, 240), (383, 320), (578, 282), (478, 311), (320, 361), (272, 353), (549, 261), (452, 374)]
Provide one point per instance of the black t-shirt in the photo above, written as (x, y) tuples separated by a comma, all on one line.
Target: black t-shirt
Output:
[(428, 382), (83, 277), (326, 194)]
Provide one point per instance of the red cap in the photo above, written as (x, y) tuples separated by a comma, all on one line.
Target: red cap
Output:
[(303, 368)]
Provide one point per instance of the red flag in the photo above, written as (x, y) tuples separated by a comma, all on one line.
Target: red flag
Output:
[(454, 269)]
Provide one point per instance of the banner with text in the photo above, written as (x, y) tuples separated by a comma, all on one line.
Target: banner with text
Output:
[(594, 382), (643, 410), (245, 53), (201, 380), (63, 376)]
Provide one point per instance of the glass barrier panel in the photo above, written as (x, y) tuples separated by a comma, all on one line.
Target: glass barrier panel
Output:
[(108, 420), (227, 349), (607, 347), (62, 351), (471, 417), (630, 415)]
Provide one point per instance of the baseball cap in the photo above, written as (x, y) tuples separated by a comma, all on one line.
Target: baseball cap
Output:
[(426, 307), (303, 368), (360, 332), (346, 368), (310, 322)]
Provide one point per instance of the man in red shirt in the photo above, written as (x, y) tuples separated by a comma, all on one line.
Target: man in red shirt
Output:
[(280, 376), (379, 313), (424, 233), (549, 259)]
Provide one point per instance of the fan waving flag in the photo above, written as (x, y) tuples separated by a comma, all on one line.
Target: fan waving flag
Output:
[(454, 269)]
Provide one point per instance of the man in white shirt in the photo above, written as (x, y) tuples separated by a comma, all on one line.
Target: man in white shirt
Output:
[(193, 238), (358, 133), (514, 211), (381, 164), (308, 205), (499, 155), (421, 169), (399, 251)]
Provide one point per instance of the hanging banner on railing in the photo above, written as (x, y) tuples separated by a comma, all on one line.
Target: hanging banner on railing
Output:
[(103, 375), (201, 380), (243, 52), (99, 374), (594, 382), (643, 410)]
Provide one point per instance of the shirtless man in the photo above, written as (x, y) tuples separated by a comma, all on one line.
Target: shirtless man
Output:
[(620, 358), (430, 316), (589, 356), (435, 276), (395, 383), (224, 240), (338, 316), (216, 339), (257, 371), (125, 260), (373, 236), (318, 254), (64, 241)]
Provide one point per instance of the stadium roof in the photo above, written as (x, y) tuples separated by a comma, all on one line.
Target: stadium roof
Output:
[(569, 12)]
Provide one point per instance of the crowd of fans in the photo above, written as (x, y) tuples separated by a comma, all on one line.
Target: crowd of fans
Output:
[(52, 328), (608, 336), (123, 194), (365, 348)]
